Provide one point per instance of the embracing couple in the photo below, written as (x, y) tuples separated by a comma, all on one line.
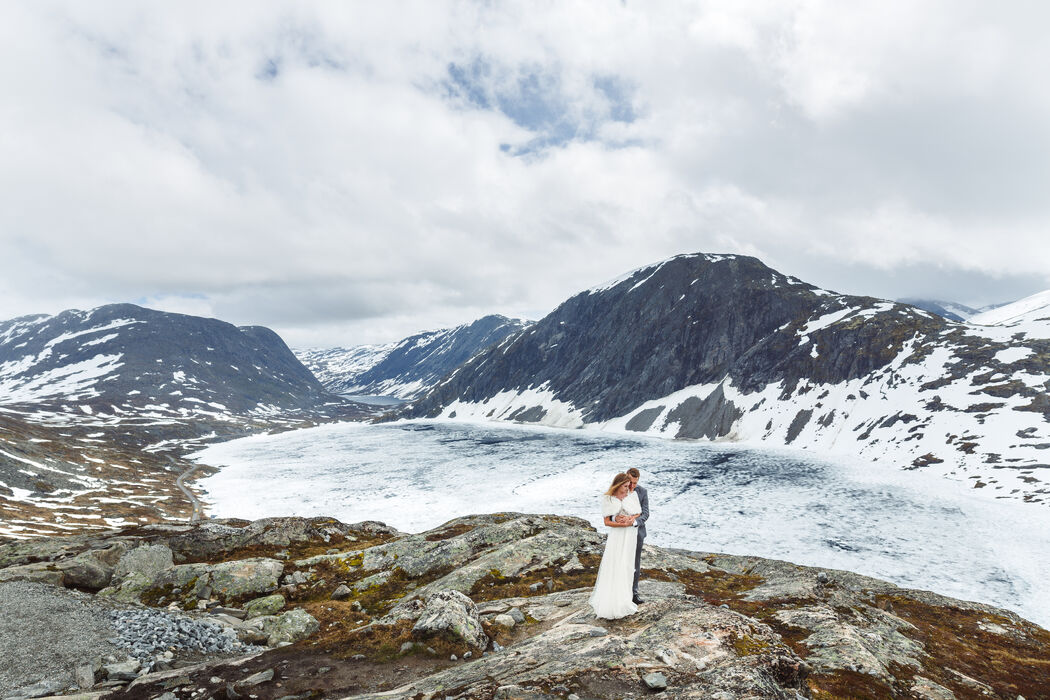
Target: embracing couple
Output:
[(625, 508)]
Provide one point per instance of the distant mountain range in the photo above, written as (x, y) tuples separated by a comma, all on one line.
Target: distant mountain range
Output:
[(408, 368), (99, 408), (724, 347)]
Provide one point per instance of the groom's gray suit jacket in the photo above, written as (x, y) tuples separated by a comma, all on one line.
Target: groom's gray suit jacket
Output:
[(643, 498)]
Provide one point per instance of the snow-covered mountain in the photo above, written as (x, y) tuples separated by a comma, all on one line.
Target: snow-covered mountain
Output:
[(123, 357), (1030, 316), (97, 407), (338, 368), (723, 347), (947, 309), (408, 368)]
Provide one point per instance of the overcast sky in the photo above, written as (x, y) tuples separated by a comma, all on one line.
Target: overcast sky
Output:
[(355, 172)]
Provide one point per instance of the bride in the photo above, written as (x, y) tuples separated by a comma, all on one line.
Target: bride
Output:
[(612, 590)]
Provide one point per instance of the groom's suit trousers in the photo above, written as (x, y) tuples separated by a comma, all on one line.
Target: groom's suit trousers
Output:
[(643, 499)]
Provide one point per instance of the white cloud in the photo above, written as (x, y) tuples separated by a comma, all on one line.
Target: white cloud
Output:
[(341, 171)]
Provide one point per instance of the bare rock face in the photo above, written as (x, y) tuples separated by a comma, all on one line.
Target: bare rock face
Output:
[(496, 606), (148, 560), (454, 614)]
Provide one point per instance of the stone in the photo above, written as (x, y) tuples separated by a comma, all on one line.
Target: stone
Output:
[(655, 681), (573, 565), (88, 571), (244, 576), (407, 647), (232, 612), (342, 592), (255, 679), (84, 674), (122, 671), (451, 613), (504, 620), (149, 560), (46, 687), (517, 615), (254, 631), (373, 580), (267, 605), (925, 689), (290, 627), (44, 573)]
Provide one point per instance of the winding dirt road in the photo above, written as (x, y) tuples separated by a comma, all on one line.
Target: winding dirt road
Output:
[(198, 509)]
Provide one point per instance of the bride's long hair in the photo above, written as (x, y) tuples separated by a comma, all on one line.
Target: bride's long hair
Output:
[(618, 481)]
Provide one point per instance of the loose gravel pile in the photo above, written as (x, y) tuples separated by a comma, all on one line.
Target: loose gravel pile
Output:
[(46, 631), (146, 633)]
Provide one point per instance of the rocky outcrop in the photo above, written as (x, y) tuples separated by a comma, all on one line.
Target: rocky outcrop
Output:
[(452, 614), (495, 606)]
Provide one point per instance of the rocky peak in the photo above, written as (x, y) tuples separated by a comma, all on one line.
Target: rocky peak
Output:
[(690, 320)]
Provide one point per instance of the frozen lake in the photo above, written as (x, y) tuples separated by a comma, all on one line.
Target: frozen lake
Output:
[(915, 530)]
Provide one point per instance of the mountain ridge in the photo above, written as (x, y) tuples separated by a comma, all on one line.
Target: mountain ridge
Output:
[(723, 347), (411, 366)]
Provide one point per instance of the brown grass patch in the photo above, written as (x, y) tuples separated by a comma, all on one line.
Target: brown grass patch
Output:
[(450, 532), (850, 685), (1016, 663), (495, 586), (382, 643)]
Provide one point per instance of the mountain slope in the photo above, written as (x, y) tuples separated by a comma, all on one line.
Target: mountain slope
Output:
[(129, 356), (410, 367), (1030, 315), (723, 347), (97, 407), (946, 309)]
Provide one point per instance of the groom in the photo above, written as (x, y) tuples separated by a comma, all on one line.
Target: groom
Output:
[(643, 498)]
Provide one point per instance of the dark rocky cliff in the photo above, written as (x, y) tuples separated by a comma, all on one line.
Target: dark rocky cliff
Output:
[(694, 319)]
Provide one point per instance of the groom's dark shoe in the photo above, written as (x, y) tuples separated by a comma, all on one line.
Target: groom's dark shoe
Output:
[(636, 600)]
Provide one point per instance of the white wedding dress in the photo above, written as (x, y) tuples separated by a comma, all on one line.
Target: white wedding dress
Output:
[(612, 590)]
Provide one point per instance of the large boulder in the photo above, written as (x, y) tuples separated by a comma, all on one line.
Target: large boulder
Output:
[(92, 570), (289, 627), (267, 605), (245, 576), (149, 560), (451, 614)]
